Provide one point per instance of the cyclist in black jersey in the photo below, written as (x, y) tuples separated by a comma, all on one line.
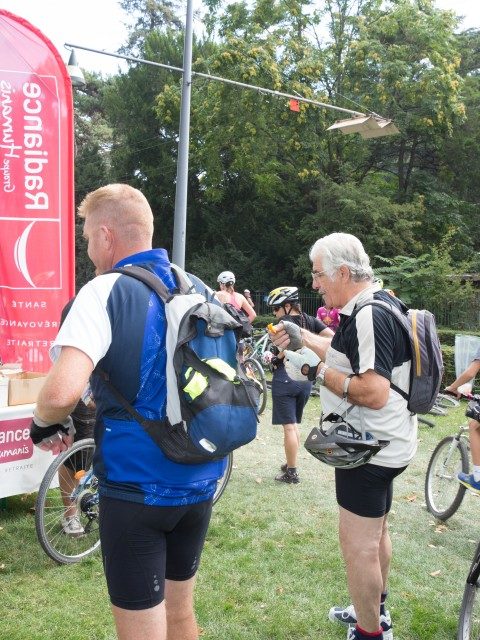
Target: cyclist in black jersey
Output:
[(289, 396)]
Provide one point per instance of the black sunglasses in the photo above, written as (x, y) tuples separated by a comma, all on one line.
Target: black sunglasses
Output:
[(276, 309)]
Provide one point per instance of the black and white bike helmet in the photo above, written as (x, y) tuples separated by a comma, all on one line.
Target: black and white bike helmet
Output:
[(226, 277), (280, 295), (338, 444)]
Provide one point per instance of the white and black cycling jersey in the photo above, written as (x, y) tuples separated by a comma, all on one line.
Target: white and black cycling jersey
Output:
[(373, 340)]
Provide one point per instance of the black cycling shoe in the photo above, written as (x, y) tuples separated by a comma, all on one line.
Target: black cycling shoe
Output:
[(289, 477)]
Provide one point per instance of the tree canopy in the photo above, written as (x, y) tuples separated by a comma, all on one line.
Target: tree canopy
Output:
[(265, 181)]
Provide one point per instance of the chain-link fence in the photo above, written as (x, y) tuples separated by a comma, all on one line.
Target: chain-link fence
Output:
[(452, 315), (309, 301), (456, 315)]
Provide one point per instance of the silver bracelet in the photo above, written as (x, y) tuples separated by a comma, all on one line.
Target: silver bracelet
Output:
[(346, 384)]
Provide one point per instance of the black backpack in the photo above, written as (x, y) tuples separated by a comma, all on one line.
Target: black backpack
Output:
[(241, 318)]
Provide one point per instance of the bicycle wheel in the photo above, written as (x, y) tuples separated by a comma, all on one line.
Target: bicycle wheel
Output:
[(254, 369), (423, 420), (469, 618), (443, 492), (446, 402), (79, 496), (437, 410), (223, 481)]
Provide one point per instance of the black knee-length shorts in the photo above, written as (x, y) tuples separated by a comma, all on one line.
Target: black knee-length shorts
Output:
[(142, 545), (367, 490)]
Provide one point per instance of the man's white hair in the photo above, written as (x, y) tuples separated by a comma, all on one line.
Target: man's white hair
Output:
[(339, 249)]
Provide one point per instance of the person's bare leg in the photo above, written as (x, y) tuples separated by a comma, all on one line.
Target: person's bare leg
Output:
[(474, 433), (181, 622), (360, 541), (291, 440), (67, 482), (385, 550), (146, 624)]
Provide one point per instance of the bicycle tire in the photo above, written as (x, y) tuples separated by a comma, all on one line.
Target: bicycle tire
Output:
[(254, 368), (423, 420), (50, 508), (443, 491), (437, 410), (469, 617), (446, 402), (223, 481)]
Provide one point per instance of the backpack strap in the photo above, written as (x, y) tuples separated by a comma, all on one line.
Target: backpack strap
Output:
[(402, 321), (148, 278), (184, 283), (155, 283), (150, 426)]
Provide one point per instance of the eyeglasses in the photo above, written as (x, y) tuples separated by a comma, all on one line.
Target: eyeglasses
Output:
[(275, 309), (317, 274)]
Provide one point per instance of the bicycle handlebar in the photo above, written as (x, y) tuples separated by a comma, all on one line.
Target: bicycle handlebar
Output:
[(467, 396)]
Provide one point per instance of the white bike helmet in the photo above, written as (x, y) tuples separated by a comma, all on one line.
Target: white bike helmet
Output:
[(338, 444), (226, 277), (267, 357), (280, 295)]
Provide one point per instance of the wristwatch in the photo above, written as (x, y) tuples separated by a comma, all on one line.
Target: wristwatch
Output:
[(321, 374)]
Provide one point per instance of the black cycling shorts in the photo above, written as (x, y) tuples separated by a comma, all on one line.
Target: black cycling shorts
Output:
[(366, 491), (143, 545)]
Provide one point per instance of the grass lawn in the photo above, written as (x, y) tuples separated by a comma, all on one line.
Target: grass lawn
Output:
[(271, 568)]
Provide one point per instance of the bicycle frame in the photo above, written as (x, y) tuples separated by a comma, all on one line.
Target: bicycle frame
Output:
[(86, 499), (474, 572), (256, 348), (463, 429)]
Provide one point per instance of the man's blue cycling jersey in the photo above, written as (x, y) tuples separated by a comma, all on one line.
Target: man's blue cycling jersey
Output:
[(120, 324)]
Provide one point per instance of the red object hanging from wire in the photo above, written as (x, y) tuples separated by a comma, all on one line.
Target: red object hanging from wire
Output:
[(294, 105)]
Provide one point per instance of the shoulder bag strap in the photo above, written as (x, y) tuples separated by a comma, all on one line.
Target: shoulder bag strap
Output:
[(395, 313)]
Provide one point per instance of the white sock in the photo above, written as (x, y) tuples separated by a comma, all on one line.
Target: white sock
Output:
[(476, 472)]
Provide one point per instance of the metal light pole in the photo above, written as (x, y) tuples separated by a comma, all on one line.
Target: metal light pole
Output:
[(180, 216)]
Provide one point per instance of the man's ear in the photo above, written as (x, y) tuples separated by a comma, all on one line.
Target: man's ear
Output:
[(344, 272), (107, 236)]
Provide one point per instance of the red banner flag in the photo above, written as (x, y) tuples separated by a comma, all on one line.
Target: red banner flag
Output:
[(37, 225)]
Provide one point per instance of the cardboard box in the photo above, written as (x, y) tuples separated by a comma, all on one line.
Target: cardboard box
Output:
[(24, 387), (3, 391)]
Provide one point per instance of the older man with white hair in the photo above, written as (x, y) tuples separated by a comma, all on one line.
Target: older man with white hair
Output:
[(364, 373)]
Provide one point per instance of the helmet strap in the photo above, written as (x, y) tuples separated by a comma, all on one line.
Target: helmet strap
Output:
[(362, 421)]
